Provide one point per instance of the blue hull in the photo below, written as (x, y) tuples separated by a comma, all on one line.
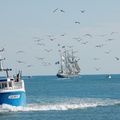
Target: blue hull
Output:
[(16, 98)]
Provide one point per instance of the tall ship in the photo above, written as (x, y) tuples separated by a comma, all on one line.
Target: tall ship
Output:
[(12, 89), (69, 66)]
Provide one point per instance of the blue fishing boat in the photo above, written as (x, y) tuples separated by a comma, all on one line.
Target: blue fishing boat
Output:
[(12, 89)]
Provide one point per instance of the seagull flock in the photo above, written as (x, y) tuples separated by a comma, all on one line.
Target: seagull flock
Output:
[(79, 40)]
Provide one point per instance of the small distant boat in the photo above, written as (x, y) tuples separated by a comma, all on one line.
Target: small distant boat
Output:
[(29, 77), (12, 90), (68, 65), (109, 76)]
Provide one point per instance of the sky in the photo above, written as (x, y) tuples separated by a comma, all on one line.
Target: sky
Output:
[(30, 31)]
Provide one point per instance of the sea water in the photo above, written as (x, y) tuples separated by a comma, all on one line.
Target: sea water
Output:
[(88, 97)]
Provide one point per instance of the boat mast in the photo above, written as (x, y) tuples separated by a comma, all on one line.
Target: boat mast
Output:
[(1, 65), (2, 69), (61, 62), (67, 68)]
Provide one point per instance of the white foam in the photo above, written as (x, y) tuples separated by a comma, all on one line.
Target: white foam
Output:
[(67, 104)]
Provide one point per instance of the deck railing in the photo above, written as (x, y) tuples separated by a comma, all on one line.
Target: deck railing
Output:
[(11, 85)]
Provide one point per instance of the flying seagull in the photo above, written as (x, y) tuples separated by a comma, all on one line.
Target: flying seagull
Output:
[(77, 38), (99, 46), (89, 35), (37, 39), (46, 63), (97, 69), (62, 34), (51, 39), (48, 50), (20, 61), (20, 51), (70, 46), (84, 42), (29, 65), (82, 11), (110, 39), (116, 58), (107, 52), (103, 35), (77, 22), (55, 10), (58, 44), (2, 50), (41, 44), (96, 58), (62, 11), (113, 33), (39, 58)]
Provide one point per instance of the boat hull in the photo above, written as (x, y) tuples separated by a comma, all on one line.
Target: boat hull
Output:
[(67, 76), (13, 98)]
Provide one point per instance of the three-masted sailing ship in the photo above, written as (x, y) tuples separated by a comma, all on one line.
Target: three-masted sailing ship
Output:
[(69, 66)]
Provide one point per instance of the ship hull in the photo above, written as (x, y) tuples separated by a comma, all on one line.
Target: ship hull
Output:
[(67, 76), (13, 98)]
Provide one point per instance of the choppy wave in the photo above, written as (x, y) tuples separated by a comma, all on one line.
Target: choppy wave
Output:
[(67, 104)]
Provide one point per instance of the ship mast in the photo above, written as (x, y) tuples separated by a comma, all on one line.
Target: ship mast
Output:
[(3, 69), (61, 62), (1, 65)]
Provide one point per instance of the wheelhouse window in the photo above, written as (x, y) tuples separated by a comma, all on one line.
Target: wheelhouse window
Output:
[(10, 84), (3, 85)]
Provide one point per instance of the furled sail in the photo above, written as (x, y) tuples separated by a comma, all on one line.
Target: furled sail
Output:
[(77, 66)]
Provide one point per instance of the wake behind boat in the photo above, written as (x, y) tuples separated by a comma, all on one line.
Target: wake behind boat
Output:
[(12, 90), (68, 65)]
